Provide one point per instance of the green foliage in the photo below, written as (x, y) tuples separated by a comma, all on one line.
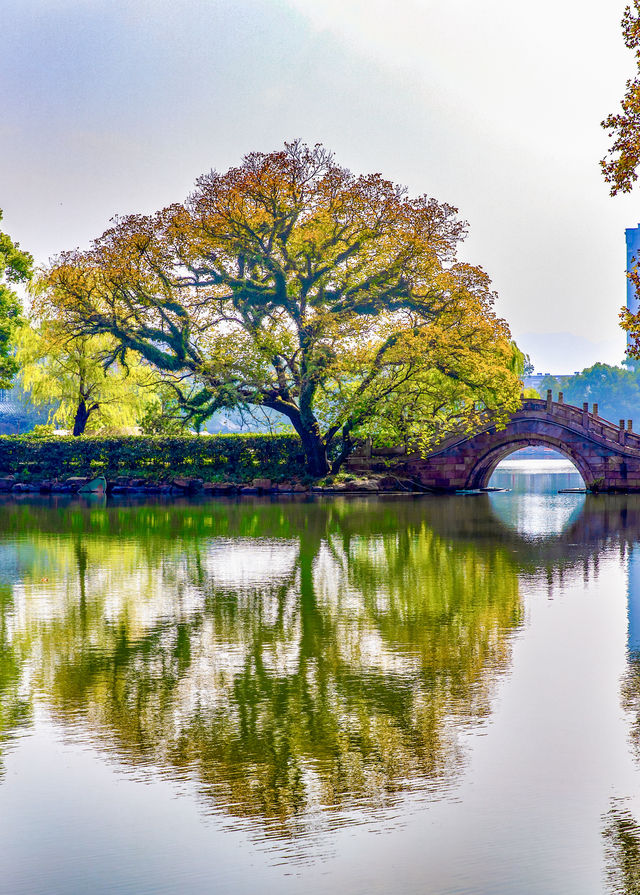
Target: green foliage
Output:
[(616, 390), (16, 266), (551, 382), (234, 457), (72, 376), (335, 672), (45, 430), (165, 415), (520, 363), (291, 284)]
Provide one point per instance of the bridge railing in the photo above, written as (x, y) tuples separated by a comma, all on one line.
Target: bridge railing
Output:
[(574, 417), (584, 418)]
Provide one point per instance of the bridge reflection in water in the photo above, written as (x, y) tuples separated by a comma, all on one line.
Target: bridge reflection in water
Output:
[(544, 512), (595, 523)]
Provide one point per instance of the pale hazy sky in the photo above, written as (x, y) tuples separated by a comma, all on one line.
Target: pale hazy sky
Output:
[(116, 106)]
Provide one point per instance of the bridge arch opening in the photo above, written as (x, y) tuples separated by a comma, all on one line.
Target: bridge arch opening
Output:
[(527, 466), (534, 508)]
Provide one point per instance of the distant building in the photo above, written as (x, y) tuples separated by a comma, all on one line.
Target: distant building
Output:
[(633, 251), (535, 380), (10, 413), (17, 413)]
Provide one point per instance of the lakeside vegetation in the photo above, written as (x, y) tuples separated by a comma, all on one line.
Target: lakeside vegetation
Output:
[(240, 458), (330, 305), (288, 284), (616, 390)]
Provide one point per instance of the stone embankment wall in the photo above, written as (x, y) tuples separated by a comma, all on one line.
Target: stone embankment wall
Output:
[(198, 487)]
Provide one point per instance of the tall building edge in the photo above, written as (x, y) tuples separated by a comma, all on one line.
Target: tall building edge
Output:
[(632, 235)]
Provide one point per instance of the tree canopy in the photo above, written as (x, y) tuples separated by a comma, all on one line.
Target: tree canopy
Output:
[(292, 284), (16, 266)]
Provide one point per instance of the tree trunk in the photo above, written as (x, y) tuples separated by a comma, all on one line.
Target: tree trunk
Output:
[(345, 449), (82, 415), (315, 452), (314, 447), (313, 444)]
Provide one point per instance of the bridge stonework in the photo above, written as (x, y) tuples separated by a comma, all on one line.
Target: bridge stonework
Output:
[(607, 456)]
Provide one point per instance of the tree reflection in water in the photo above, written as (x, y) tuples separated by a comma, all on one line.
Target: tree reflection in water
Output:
[(289, 657), (296, 660), (15, 708), (622, 851), (621, 830)]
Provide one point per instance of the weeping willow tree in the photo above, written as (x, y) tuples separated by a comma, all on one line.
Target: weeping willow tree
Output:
[(76, 377)]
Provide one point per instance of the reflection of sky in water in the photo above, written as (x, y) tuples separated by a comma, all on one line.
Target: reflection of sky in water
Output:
[(247, 562), (532, 506), (14, 558), (633, 598), (543, 476)]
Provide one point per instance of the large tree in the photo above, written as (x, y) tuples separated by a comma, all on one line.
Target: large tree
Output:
[(16, 266), (292, 284)]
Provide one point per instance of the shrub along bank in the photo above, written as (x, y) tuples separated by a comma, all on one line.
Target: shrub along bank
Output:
[(239, 458)]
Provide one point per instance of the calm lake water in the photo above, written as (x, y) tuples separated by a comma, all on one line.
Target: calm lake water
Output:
[(354, 695)]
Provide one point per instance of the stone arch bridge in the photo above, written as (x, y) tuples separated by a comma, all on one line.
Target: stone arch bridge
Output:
[(607, 456)]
